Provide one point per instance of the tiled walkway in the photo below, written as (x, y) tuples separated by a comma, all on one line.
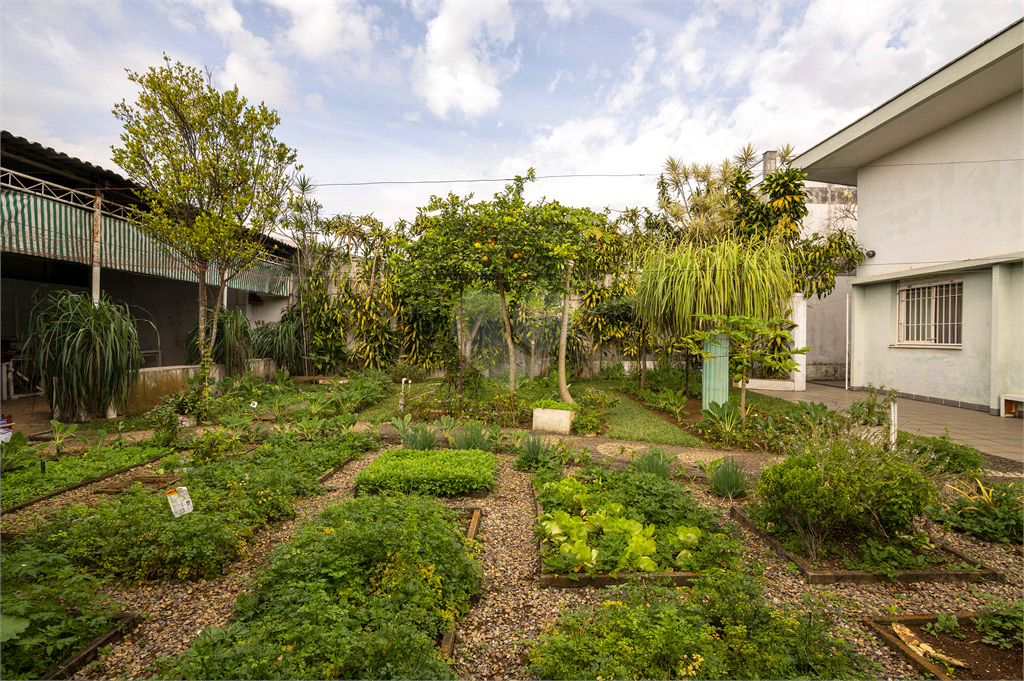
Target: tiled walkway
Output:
[(1002, 437)]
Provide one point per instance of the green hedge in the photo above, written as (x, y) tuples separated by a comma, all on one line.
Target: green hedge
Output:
[(445, 472)]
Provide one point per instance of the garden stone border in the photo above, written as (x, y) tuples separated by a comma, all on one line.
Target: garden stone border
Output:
[(878, 627), (865, 577), (448, 641), (556, 581), (124, 623)]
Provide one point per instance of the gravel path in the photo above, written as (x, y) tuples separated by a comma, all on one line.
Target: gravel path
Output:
[(178, 611)]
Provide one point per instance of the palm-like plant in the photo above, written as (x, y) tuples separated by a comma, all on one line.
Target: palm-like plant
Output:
[(88, 354), (233, 345), (724, 277)]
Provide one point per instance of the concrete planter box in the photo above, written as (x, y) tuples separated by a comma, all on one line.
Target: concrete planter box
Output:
[(553, 420)]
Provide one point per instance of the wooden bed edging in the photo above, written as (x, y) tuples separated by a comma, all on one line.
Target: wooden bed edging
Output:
[(865, 577), (878, 626), (70, 488), (448, 642), (125, 622)]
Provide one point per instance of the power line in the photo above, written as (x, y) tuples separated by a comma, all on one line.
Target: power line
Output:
[(479, 179)]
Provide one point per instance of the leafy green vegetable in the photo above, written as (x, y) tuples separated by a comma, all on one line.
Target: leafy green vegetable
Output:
[(445, 472)]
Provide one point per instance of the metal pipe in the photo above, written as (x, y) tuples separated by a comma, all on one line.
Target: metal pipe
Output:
[(847, 363)]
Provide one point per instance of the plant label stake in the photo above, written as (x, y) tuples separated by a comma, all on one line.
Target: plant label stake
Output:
[(181, 502), (892, 425), (401, 396)]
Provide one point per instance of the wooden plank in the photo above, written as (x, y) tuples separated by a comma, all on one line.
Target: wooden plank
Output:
[(125, 622), (881, 627)]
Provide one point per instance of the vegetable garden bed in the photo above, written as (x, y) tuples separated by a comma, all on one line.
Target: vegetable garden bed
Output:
[(607, 531), (814, 576), (984, 661), (438, 472)]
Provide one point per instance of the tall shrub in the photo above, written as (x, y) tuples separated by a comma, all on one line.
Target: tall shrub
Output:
[(88, 355), (233, 344)]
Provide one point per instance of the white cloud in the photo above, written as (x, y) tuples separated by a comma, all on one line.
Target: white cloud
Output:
[(688, 53), (252, 64), (559, 75), (459, 67), (320, 28), (563, 10), (412, 116), (627, 93)]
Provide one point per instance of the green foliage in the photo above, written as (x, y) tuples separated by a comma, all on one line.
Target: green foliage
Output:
[(233, 346), (135, 535), (30, 482), (88, 354), (869, 411), (722, 420), (14, 454), (655, 462), (1003, 626), (282, 342), (420, 438), (213, 445), (943, 454), (443, 472), (945, 624), (891, 559), (473, 436), (533, 454), (833, 482), (995, 513), (728, 480), (625, 520), (363, 592), (724, 629), (50, 610), (555, 404)]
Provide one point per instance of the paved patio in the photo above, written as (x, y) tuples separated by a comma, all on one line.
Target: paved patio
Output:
[(1002, 437)]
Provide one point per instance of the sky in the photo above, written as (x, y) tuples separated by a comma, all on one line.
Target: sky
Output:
[(427, 90)]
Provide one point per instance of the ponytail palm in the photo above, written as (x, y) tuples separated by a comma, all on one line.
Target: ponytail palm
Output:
[(88, 355), (725, 277)]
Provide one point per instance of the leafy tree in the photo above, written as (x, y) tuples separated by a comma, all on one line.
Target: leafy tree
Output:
[(504, 244), (750, 339), (210, 172)]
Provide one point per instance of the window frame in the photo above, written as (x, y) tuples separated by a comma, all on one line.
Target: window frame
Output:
[(933, 323)]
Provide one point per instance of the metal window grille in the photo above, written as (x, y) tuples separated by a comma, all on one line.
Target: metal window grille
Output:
[(932, 314)]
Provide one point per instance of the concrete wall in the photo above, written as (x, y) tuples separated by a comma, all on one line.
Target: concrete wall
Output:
[(956, 374), (156, 382), (826, 333), (952, 195)]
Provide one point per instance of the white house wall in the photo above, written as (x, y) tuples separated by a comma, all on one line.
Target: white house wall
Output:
[(956, 375), (952, 195), (1007, 372), (826, 333)]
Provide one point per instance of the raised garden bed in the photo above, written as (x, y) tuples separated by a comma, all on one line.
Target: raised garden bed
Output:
[(124, 622), (814, 576), (154, 482), (985, 661), (77, 485), (643, 546), (471, 521)]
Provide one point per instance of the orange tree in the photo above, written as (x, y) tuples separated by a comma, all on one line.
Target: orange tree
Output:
[(505, 244)]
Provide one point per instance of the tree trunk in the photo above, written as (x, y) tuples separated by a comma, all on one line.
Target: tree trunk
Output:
[(563, 340), (643, 359), (508, 340)]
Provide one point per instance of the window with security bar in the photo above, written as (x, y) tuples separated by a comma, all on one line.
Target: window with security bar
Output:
[(931, 315)]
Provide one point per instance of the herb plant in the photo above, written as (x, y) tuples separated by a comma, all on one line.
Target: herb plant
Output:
[(444, 472)]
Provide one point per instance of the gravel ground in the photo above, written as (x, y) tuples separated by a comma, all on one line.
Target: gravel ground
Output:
[(512, 611)]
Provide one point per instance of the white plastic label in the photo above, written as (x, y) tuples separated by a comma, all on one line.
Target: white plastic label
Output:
[(181, 502)]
